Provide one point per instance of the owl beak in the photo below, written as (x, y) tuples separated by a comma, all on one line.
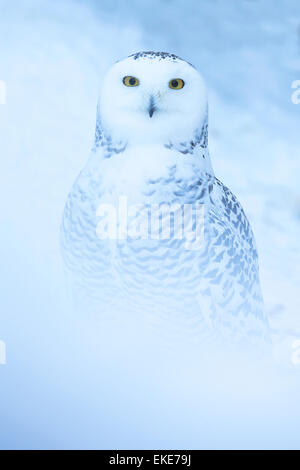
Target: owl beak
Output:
[(151, 107)]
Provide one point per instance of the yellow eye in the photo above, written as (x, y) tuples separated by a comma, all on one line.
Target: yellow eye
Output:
[(131, 81), (176, 83)]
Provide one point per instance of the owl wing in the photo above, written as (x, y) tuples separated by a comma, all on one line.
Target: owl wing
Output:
[(87, 258), (229, 266)]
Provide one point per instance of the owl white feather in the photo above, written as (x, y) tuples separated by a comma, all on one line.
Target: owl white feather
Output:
[(151, 147)]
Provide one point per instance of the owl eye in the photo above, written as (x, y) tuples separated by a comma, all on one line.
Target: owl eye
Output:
[(176, 83), (131, 81)]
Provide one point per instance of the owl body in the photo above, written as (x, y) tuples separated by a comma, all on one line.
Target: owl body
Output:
[(199, 271)]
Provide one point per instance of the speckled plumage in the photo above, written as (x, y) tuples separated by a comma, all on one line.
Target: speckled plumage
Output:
[(215, 288)]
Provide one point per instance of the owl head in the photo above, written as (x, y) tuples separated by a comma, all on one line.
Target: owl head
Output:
[(152, 97)]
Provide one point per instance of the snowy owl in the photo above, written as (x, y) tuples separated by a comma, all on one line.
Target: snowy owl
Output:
[(150, 162)]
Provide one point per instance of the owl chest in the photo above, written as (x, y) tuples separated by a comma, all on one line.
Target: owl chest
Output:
[(145, 174), (161, 271)]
